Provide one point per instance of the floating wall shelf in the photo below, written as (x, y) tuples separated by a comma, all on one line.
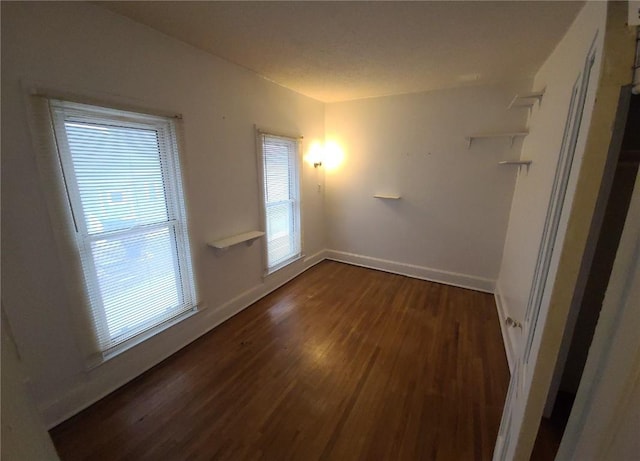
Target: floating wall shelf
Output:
[(515, 162), (518, 163), (516, 103), (387, 197), (247, 237), (512, 135), (527, 100)]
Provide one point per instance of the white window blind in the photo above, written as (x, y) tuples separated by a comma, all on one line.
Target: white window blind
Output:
[(122, 176), (279, 160)]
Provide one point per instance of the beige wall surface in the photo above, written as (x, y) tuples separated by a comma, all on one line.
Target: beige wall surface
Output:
[(451, 220), (24, 437)]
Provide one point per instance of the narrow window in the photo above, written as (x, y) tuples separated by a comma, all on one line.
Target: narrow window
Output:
[(280, 179), (122, 176)]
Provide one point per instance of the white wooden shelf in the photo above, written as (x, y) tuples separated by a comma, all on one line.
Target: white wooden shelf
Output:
[(517, 103), (515, 162), (527, 100), (247, 237), (518, 163), (387, 196), (509, 134)]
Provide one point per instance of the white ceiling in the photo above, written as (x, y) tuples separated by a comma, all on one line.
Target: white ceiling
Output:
[(334, 51)]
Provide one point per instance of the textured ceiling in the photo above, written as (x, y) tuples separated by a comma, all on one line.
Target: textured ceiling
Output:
[(334, 51)]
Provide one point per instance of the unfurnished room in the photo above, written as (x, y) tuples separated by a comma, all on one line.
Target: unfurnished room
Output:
[(359, 230)]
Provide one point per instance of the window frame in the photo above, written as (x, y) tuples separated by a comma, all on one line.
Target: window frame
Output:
[(176, 223), (297, 202)]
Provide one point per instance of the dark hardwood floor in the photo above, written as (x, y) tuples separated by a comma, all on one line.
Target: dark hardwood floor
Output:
[(342, 363)]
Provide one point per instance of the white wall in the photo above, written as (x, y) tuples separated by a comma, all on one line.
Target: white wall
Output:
[(24, 437), (84, 49), (451, 221), (532, 192)]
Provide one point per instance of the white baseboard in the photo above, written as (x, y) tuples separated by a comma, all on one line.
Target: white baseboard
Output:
[(419, 272), (506, 337), (156, 349)]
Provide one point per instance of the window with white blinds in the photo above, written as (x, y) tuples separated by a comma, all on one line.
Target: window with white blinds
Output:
[(122, 177), (280, 177)]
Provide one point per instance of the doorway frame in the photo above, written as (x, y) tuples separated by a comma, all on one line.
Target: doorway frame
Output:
[(618, 50), (613, 155), (611, 378)]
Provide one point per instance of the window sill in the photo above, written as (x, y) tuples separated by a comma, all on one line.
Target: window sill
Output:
[(282, 265), (99, 359)]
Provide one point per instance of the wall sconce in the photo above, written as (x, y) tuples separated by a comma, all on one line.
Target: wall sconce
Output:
[(328, 155), (316, 154)]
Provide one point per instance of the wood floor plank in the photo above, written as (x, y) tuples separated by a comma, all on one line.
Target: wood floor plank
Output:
[(342, 363)]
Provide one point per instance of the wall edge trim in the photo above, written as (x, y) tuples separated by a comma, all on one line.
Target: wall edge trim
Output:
[(456, 279), (502, 317)]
